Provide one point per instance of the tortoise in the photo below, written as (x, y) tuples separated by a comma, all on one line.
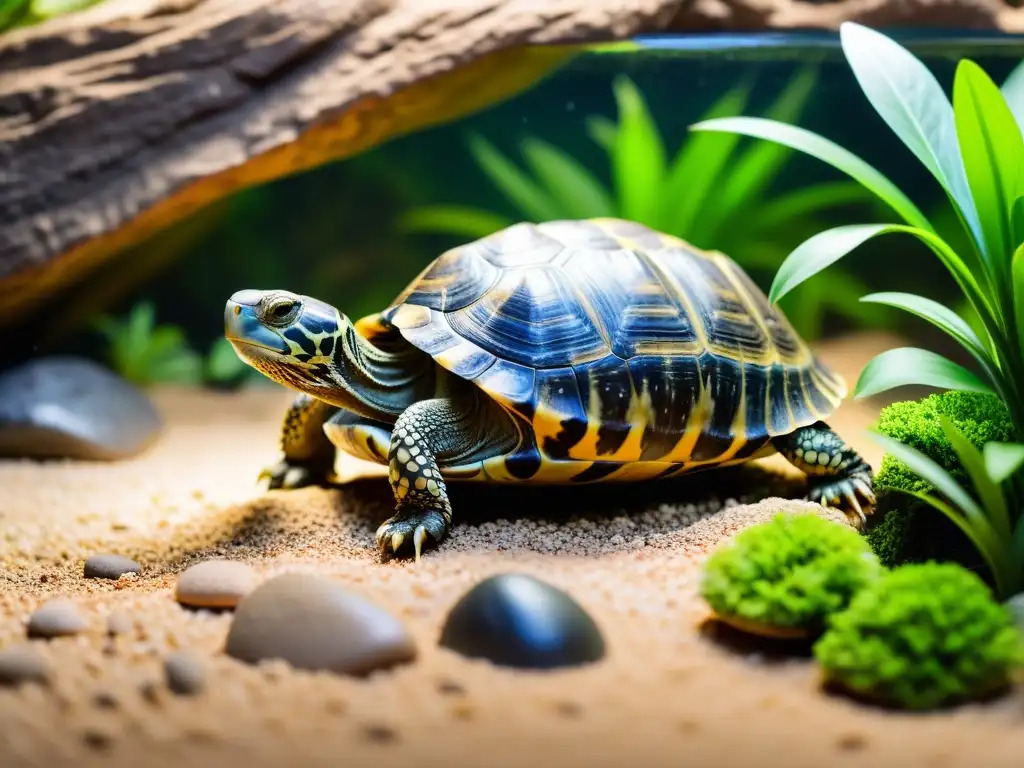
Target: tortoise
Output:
[(569, 351)]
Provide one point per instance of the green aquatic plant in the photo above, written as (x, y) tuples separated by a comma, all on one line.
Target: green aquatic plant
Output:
[(784, 577), (146, 353), (920, 637), (974, 148), (909, 530), (700, 194), (22, 13)]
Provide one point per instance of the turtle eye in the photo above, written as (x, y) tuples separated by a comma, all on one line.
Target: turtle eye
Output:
[(282, 310)]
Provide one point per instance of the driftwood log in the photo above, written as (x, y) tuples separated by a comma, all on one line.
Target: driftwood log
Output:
[(120, 120)]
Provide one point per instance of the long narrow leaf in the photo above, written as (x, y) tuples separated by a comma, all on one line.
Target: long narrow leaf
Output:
[(908, 97), (697, 166), (827, 151), (989, 493), (905, 366), (1017, 278), (638, 158), (978, 527), (577, 191), (826, 248), (453, 220), (1003, 459), (1017, 221), (937, 314), (520, 189), (993, 150), (1013, 92), (602, 132)]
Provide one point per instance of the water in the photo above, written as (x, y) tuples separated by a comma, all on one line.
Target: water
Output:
[(338, 232)]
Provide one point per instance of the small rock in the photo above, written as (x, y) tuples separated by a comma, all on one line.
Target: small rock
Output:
[(72, 408), (185, 673), (110, 567), (312, 623), (215, 584), (515, 620), (23, 664), (56, 618)]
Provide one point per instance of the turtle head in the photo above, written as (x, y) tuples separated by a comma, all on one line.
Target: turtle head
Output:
[(287, 337)]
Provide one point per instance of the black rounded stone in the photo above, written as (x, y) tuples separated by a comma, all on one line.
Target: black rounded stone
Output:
[(109, 567), (72, 408), (515, 620)]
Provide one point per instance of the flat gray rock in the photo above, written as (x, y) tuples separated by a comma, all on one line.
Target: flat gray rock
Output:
[(215, 584), (72, 408), (56, 618), (109, 567), (23, 664), (313, 623)]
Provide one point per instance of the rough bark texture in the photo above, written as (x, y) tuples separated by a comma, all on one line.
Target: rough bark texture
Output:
[(120, 120)]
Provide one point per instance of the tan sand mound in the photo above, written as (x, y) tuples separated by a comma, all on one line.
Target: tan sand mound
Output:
[(668, 693)]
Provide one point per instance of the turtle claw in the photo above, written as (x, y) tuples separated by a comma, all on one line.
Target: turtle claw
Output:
[(423, 527), (852, 494), (289, 475)]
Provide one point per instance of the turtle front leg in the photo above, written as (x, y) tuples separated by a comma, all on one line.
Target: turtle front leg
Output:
[(307, 454), (838, 476), (440, 429)]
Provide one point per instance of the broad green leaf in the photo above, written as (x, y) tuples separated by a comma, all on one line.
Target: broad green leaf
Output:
[(992, 149), (453, 219), (576, 190), (1017, 277), (904, 366), (826, 248), (938, 315), (989, 493), (755, 169), (1017, 222), (977, 526), (1013, 92), (10, 10), (805, 200), (638, 156), (520, 189), (44, 9), (602, 132), (908, 97), (827, 151), (1002, 460), (698, 166)]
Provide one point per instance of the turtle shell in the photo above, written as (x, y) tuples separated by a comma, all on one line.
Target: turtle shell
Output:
[(617, 343)]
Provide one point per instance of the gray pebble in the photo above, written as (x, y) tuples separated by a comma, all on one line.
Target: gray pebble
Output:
[(215, 584), (56, 618), (23, 664), (109, 567), (72, 408), (313, 623), (185, 673)]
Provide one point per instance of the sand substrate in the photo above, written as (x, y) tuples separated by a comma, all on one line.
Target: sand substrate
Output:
[(673, 689)]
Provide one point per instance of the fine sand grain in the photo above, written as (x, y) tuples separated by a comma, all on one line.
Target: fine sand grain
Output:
[(673, 689)]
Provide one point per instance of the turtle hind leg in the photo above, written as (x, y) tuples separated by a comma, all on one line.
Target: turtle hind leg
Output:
[(444, 430), (307, 454), (837, 475)]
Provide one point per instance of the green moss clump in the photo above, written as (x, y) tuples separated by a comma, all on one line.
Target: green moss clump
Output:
[(909, 531), (922, 636), (786, 576)]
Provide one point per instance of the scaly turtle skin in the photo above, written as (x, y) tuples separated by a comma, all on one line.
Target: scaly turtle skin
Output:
[(563, 352)]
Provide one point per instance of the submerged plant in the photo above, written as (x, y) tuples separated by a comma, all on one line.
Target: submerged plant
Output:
[(146, 353), (920, 637), (708, 193), (975, 150), (784, 577)]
